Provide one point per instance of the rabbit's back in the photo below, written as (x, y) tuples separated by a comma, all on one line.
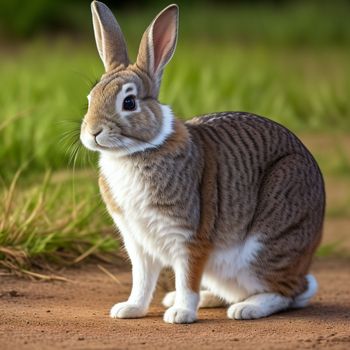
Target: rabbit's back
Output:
[(244, 149)]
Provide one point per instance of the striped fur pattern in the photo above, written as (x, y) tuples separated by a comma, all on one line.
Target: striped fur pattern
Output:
[(232, 201)]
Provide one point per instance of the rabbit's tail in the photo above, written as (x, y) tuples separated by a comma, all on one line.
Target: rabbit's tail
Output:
[(303, 299)]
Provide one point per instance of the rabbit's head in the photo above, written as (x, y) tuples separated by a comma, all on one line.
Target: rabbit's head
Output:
[(124, 115)]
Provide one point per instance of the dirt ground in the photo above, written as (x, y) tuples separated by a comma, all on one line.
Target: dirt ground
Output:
[(74, 315)]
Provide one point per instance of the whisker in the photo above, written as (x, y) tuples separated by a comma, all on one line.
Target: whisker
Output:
[(69, 137)]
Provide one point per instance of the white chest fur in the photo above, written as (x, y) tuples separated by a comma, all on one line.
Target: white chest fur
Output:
[(159, 235)]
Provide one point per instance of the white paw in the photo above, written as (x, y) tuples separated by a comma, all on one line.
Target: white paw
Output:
[(179, 315), (245, 311), (127, 310), (169, 299)]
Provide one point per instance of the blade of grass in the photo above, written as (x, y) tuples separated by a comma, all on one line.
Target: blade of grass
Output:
[(46, 277), (109, 274)]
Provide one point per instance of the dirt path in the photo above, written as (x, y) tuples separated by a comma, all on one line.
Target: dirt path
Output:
[(59, 315)]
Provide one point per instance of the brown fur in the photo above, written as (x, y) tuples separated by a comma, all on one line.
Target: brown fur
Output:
[(112, 206), (142, 126), (283, 272), (226, 176), (200, 247), (198, 254), (177, 142), (263, 170), (109, 37)]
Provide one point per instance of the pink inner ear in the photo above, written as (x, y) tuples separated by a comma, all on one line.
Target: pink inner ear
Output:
[(164, 36)]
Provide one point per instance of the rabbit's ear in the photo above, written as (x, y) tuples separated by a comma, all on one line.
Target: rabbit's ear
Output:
[(158, 43), (110, 40)]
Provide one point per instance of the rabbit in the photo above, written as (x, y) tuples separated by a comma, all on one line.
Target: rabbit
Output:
[(233, 202)]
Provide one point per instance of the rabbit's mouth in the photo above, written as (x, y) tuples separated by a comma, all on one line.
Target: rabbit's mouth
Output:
[(102, 140)]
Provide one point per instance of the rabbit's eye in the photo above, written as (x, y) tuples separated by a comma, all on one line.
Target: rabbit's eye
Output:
[(129, 103)]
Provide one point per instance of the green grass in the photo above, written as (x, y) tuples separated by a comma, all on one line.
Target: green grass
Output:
[(278, 63), (45, 89), (296, 24), (333, 249), (53, 219), (289, 63), (292, 23)]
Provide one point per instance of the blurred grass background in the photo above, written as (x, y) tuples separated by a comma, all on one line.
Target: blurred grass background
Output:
[(288, 60)]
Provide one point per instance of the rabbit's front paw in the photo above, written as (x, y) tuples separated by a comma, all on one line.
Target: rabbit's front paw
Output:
[(178, 315), (244, 311), (127, 310)]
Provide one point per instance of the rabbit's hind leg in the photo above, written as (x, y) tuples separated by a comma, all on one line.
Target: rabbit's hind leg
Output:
[(258, 306), (289, 217), (265, 304)]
